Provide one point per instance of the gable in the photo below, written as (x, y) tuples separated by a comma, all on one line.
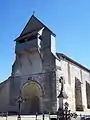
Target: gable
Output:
[(32, 25)]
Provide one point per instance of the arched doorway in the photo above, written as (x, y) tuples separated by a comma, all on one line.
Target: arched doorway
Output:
[(32, 94)]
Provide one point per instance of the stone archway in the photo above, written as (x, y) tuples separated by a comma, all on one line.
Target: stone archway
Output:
[(32, 94)]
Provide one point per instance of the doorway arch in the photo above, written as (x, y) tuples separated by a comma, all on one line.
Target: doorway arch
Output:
[(32, 95)]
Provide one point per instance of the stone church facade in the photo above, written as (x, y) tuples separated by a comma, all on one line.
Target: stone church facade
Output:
[(36, 75)]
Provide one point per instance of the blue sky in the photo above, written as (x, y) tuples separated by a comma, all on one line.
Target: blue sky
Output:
[(69, 19)]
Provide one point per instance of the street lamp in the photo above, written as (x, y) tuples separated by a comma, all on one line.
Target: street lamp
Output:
[(19, 101)]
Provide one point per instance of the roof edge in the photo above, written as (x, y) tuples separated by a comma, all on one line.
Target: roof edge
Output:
[(40, 22), (72, 61)]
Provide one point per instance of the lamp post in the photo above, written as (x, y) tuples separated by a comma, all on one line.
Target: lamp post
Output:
[(20, 100)]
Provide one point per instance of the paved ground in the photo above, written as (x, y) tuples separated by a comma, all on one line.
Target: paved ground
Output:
[(29, 117)]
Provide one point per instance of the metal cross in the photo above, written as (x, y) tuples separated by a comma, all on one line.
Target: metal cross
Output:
[(33, 12)]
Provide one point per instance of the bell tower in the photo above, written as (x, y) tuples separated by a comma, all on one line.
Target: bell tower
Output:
[(32, 46), (35, 61)]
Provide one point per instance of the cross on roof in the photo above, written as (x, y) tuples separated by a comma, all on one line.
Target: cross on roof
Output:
[(33, 12)]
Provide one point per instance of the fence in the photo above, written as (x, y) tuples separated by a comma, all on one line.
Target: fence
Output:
[(5, 116), (25, 117)]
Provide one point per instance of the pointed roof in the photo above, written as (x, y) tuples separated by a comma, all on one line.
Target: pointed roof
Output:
[(34, 24)]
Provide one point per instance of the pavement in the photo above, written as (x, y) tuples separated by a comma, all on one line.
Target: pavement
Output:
[(28, 117), (33, 117)]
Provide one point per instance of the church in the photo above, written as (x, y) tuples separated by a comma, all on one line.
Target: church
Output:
[(36, 74)]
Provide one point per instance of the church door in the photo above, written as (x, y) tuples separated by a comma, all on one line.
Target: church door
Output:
[(35, 105)]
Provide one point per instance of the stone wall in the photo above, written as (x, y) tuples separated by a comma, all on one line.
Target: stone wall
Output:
[(70, 72), (4, 96)]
